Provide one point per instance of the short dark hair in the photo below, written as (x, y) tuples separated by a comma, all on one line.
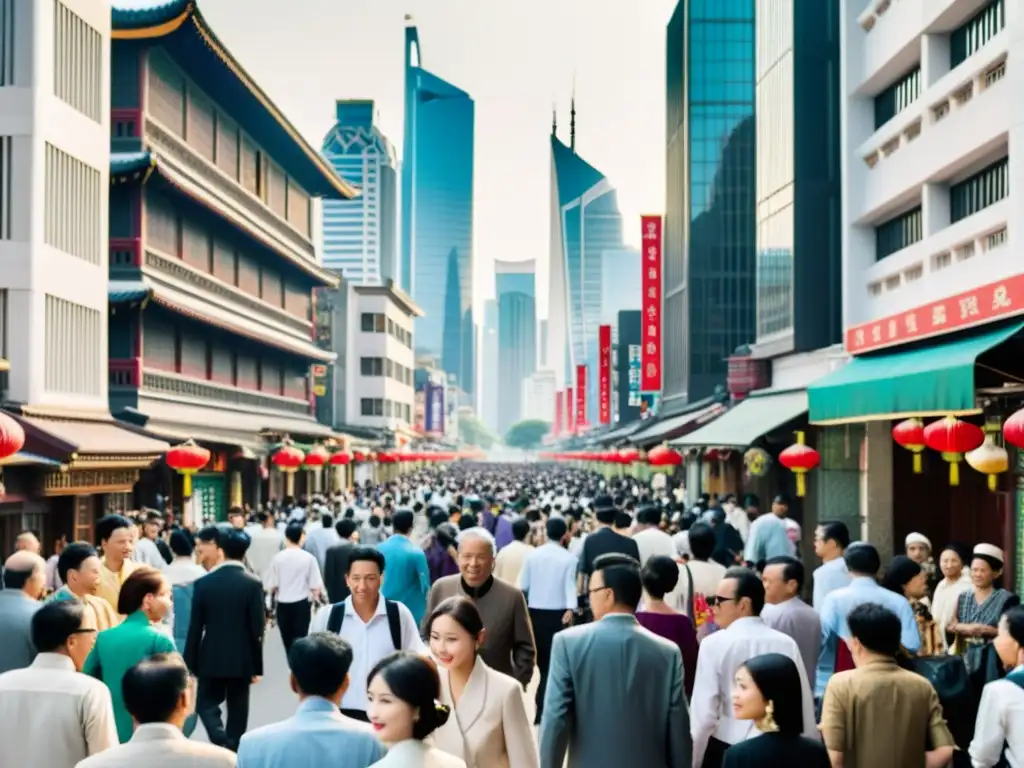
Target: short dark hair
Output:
[(345, 527), (649, 514), (462, 611), (17, 578), (835, 530), (877, 628), (862, 558), (659, 576), (153, 687), (365, 554), (236, 512), (374, 520), (181, 543), (520, 528), (144, 580), (72, 557), (106, 526), (749, 585), (702, 541), (402, 521), (54, 623), (606, 515), (209, 534), (320, 663), (326, 519), (556, 528), (621, 574), (623, 519), (294, 532), (234, 542), (792, 569), (467, 521), (414, 680)]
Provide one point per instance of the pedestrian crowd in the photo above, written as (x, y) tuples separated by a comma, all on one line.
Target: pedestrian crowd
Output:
[(416, 614)]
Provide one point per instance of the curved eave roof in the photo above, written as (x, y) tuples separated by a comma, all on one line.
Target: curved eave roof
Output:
[(181, 28)]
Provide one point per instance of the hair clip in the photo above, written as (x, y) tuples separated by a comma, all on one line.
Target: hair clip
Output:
[(443, 709)]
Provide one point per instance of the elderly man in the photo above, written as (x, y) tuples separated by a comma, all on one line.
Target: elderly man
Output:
[(508, 644), (24, 583)]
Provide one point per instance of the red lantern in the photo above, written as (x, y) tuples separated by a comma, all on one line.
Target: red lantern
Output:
[(800, 459), (12, 436), (629, 455), (340, 459), (1013, 430), (953, 438), (316, 457), (359, 457), (187, 459), (909, 434), (288, 458), (663, 456), (386, 457)]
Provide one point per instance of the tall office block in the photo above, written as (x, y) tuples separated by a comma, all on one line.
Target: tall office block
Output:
[(620, 283), (710, 233), (489, 372), (437, 215), (360, 235), (515, 284)]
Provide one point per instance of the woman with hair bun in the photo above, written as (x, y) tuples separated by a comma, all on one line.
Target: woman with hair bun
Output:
[(402, 690), (488, 727)]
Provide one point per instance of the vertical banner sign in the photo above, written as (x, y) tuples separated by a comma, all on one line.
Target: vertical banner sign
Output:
[(650, 363), (634, 375), (434, 415), (604, 341), (556, 429), (570, 412), (581, 397)]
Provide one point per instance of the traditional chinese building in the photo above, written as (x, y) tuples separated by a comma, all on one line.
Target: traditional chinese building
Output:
[(212, 261)]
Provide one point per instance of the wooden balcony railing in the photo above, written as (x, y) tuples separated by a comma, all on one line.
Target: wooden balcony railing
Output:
[(190, 388), (125, 252), (125, 373)]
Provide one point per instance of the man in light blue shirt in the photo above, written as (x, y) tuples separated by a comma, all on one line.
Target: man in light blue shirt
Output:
[(863, 563), (406, 575), (317, 734), (831, 538), (768, 537)]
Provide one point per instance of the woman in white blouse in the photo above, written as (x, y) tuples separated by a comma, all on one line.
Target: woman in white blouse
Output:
[(947, 592), (488, 727), (1001, 713)]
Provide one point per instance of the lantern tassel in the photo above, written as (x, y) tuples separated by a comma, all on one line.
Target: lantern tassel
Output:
[(954, 473), (993, 482), (917, 463), (186, 485), (290, 484), (801, 485)]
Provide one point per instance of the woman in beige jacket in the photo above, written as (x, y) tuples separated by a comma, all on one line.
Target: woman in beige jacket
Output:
[(488, 727)]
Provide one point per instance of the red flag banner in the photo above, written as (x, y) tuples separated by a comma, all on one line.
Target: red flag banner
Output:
[(604, 340), (650, 356), (556, 428), (570, 412), (581, 397)]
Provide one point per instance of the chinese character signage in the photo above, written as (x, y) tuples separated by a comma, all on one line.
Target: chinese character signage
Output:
[(604, 342), (556, 428), (570, 412), (650, 258), (581, 397), (434, 415), (634, 375), (994, 301)]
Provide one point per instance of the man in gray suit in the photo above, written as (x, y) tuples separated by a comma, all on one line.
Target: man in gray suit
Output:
[(24, 581), (615, 690)]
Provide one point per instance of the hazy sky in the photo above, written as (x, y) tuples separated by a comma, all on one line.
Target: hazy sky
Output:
[(515, 58)]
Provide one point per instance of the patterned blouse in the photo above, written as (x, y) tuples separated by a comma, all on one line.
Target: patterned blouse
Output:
[(989, 612)]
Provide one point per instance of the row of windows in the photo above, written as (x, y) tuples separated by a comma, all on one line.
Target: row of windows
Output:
[(7, 42), (376, 322), (72, 336), (975, 32), (898, 233), (74, 199), (985, 188), (379, 366), (376, 406), (77, 62), (897, 97)]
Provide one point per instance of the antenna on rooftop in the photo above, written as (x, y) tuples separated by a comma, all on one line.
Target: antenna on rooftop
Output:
[(572, 116)]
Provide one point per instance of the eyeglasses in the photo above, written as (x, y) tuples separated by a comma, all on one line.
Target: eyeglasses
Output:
[(716, 601), (83, 630), (596, 589)]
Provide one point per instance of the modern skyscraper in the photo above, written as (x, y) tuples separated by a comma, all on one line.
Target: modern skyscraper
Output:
[(360, 235), (710, 216), (489, 372), (585, 224), (437, 214), (515, 286), (621, 287)]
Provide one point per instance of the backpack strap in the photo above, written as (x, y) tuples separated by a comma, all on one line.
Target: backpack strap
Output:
[(336, 618), (394, 623)]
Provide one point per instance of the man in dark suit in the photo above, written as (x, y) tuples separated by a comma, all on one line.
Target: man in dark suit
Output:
[(224, 648), (603, 541), (336, 560), (613, 677)]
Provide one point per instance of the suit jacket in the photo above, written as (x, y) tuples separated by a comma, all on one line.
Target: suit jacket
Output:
[(335, 570), (416, 754), (488, 728), (775, 750), (16, 612), (161, 746), (615, 697), (225, 632), (508, 645)]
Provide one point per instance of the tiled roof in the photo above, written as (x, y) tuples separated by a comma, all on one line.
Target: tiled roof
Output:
[(131, 14), (125, 291), (122, 163)]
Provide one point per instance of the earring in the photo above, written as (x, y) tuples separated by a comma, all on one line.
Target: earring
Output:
[(768, 724)]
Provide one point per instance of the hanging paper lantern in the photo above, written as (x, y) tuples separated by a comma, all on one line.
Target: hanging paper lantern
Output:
[(316, 457), (663, 456), (12, 437), (989, 459), (629, 455), (909, 434), (288, 458), (340, 459), (187, 459), (359, 457), (953, 438), (1013, 429), (800, 459), (757, 462), (387, 457)]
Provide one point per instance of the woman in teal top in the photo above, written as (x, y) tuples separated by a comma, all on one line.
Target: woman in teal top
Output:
[(144, 601)]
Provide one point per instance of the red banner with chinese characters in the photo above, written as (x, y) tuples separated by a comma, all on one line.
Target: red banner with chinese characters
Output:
[(994, 301), (650, 258), (570, 412), (581, 397), (604, 342), (556, 427)]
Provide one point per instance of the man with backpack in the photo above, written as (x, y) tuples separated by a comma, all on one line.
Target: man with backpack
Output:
[(373, 626)]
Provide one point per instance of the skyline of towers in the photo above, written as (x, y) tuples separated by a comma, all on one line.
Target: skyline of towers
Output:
[(515, 289)]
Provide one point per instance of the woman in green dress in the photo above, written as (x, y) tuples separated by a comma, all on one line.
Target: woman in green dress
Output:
[(144, 601)]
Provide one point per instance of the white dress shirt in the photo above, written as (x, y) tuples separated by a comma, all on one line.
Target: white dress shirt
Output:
[(738, 518), (266, 542), (371, 642), (721, 654), (183, 570), (1002, 705), (146, 552), (549, 578), (654, 542), (295, 574), (509, 562)]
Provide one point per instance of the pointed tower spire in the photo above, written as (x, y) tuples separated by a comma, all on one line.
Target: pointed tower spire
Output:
[(554, 120), (572, 116)]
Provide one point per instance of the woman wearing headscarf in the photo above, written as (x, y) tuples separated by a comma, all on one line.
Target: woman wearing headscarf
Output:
[(908, 578), (919, 549)]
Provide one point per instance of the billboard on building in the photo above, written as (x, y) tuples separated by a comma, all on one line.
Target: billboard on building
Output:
[(604, 343), (434, 415), (650, 370), (627, 365), (581, 398)]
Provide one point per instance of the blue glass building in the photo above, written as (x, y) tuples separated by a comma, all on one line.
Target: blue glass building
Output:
[(515, 286), (437, 215), (489, 369), (360, 235), (710, 217)]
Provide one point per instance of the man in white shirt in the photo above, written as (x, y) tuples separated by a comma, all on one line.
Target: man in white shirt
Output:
[(783, 579), (145, 548), (267, 541), (293, 578), (373, 626), (50, 713), (321, 538), (649, 537), (509, 563), (549, 580), (736, 608)]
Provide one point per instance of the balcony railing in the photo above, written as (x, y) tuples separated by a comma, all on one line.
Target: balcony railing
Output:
[(125, 373), (194, 389), (125, 252)]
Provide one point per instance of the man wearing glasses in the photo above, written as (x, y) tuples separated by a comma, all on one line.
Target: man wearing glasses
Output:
[(736, 608)]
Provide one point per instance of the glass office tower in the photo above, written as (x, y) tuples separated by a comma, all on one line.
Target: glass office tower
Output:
[(360, 235), (515, 286), (437, 215), (710, 233)]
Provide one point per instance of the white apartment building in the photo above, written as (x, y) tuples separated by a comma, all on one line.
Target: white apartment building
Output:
[(539, 391), (933, 162), (54, 182)]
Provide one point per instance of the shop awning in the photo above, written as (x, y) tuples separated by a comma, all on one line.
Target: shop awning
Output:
[(95, 442), (927, 380), (674, 426), (744, 423)]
